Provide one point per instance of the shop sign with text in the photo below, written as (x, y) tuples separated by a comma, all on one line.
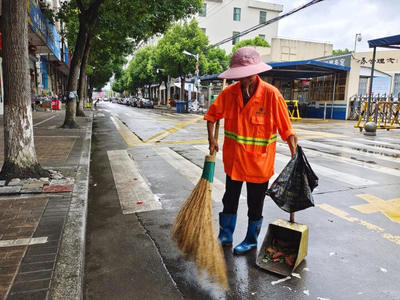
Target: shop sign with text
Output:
[(43, 29)]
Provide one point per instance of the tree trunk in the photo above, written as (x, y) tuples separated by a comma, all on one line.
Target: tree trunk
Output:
[(72, 85), (182, 93), (82, 77), (19, 150)]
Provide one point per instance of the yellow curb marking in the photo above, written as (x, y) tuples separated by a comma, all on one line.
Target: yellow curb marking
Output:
[(344, 215), (132, 140), (390, 208), (165, 133), (129, 138)]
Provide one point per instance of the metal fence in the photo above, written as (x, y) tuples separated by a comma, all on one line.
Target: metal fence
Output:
[(383, 110)]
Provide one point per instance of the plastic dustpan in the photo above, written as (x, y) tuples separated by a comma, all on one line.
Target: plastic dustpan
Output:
[(285, 237)]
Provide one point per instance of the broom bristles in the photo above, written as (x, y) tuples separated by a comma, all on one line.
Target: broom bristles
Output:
[(194, 232)]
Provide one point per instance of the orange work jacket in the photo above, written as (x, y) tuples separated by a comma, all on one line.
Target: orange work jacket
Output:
[(251, 130)]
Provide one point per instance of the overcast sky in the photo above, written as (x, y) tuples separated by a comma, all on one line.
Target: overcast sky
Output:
[(338, 21)]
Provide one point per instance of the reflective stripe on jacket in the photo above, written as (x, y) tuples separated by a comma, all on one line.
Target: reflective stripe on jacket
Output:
[(251, 130)]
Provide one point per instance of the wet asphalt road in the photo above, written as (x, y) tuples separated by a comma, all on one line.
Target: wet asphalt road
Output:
[(354, 230)]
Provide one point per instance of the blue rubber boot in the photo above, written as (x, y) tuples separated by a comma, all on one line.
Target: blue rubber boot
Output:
[(227, 223), (250, 242)]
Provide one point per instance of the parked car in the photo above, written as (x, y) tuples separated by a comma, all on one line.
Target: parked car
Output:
[(145, 103), (114, 100)]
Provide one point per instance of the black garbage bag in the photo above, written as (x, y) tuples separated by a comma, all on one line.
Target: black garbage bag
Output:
[(292, 189)]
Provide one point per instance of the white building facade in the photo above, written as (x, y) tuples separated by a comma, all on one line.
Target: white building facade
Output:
[(220, 19)]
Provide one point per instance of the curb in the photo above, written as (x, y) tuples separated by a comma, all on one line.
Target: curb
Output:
[(67, 282)]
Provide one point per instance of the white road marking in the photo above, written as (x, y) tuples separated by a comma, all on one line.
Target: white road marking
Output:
[(379, 142), (133, 192), (336, 158), (190, 170), (23, 242), (333, 174), (372, 148), (349, 150), (41, 122), (320, 170)]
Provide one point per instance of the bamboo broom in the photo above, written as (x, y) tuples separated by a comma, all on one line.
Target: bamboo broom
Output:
[(193, 228)]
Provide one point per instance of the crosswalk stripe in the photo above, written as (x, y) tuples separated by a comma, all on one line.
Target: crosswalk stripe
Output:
[(133, 192), (333, 174), (189, 170), (380, 142), (348, 150), (372, 148), (320, 170), (336, 158)]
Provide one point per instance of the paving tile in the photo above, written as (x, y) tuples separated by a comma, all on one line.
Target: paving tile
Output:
[(33, 295), (41, 250), (6, 190), (33, 259), (62, 182), (29, 276), (45, 266), (26, 286), (35, 190), (58, 188), (8, 269), (10, 262)]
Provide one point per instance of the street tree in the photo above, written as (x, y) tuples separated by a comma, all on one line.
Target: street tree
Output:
[(340, 51), (170, 51), (216, 60), (133, 19), (142, 69), (20, 159), (258, 41)]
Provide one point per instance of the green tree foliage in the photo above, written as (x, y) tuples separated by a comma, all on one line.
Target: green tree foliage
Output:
[(169, 58), (133, 20), (187, 37), (142, 69), (216, 60), (257, 41), (340, 51)]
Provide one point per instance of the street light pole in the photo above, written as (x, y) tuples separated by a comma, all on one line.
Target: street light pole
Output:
[(197, 71), (357, 39)]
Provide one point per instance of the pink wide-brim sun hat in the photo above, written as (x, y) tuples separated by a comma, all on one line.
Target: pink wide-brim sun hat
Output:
[(245, 62)]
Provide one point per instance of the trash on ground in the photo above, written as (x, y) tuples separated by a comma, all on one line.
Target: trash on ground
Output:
[(281, 280), (281, 252)]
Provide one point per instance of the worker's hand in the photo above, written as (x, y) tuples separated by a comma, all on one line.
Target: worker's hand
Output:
[(213, 145), (292, 143)]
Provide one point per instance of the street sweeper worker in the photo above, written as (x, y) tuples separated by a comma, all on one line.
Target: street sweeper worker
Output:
[(254, 111)]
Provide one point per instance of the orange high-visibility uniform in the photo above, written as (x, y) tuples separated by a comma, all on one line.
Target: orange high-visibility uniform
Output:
[(250, 130)]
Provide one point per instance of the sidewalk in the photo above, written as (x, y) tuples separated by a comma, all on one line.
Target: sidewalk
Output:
[(42, 222)]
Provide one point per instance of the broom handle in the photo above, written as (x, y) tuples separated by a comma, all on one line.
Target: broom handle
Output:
[(216, 131), (292, 217)]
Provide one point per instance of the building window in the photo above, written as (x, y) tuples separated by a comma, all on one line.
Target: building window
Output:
[(203, 11), (263, 16), (262, 36), (235, 36), (396, 85), (204, 30), (236, 13), (362, 86)]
